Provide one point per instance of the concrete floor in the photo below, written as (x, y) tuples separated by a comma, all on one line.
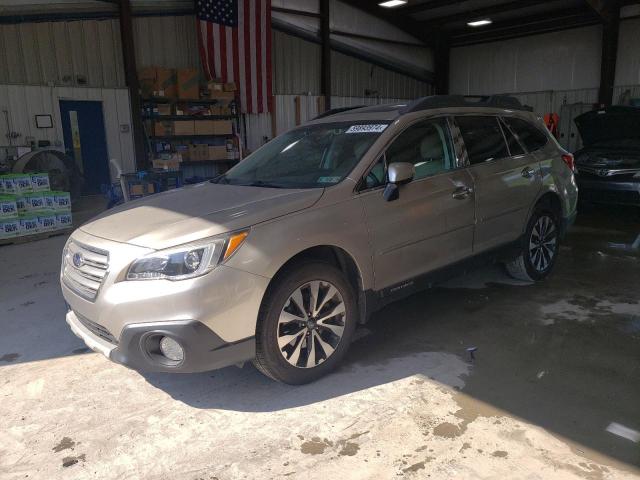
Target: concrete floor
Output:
[(557, 366)]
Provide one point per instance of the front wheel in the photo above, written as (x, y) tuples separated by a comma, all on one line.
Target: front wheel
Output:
[(540, 248), (306, 324)]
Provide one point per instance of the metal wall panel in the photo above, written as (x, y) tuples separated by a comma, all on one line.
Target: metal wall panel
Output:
[(166, 41), (351, 77), (24, 102), (296, 65), (628, 63), (552, 100), (78, 53), (620, 91), (258, 127), (88, 53), (568, 59)]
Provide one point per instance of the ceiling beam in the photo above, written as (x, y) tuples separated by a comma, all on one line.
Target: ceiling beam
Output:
[(598, 6), (291, 11), (606, 10), (412, 8), (531, 25), (394, 17), (475, 14)]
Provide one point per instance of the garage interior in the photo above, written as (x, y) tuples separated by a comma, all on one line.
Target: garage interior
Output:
[(480, 377)]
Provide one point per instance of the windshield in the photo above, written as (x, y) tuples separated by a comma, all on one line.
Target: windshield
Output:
[(308, 157)]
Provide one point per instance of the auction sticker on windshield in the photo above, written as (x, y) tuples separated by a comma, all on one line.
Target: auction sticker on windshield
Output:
[(366, 128)]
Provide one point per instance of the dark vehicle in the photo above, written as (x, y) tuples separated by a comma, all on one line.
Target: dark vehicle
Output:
[(608, 167)]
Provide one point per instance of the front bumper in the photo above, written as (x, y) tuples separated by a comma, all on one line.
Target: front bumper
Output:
[(609, 191), (204, 350), (213, 316)]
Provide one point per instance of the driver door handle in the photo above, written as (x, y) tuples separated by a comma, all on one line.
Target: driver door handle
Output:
[(462, 192), (528, 172)]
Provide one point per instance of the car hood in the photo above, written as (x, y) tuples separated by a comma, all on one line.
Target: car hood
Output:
[(613, 123), (195, 212)]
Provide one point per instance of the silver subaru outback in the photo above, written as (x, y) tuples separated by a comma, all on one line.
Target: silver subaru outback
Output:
[(280, 258)]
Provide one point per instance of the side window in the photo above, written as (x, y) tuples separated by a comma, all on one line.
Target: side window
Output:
[(427, 145), (530, 136), (377, 176), (514, 146), (483, 138)]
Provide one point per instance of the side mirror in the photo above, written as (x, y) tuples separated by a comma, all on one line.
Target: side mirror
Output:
[(399, 173)]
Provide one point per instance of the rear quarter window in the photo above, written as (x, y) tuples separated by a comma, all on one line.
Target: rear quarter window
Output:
[(483, 138), (529, 135)]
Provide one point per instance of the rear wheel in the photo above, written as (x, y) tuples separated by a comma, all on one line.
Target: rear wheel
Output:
[(306, 324), (540, 248)]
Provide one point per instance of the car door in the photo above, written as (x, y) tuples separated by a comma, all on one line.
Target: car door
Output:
[(430, 225), (507, 179)]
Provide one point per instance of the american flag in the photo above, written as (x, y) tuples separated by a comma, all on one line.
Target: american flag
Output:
[(234, 37)]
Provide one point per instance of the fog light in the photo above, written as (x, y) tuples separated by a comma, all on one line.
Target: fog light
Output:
[(171, 349)]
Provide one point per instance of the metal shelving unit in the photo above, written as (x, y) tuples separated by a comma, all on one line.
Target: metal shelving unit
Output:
[(201, 169)]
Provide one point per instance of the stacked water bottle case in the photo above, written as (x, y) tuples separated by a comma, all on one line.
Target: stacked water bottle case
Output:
[(28, 206)]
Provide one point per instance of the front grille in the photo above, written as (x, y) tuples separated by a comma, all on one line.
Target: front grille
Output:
[(84, 269), (97, 329)]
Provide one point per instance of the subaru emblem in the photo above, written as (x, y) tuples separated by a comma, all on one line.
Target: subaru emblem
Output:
[(78, 260)]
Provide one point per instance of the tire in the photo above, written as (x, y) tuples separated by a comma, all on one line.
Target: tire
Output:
[(537, 259), (293, 347)]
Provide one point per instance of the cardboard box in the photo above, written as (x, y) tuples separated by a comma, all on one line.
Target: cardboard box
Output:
[(166, 83), (163, 109), (183, 152), (222, 127), (218, 152), (215, 86), (188, 83), (147, 81), (162, 129), (205, 127), (198, 152), (183, 127), (141, 189), (223, 97), (158, 82), (171, 164)]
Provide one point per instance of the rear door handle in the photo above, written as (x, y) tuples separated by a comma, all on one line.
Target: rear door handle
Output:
[(461, 193), (528, 172)]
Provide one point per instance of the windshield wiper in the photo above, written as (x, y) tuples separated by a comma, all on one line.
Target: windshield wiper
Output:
[(261, 183), (219, 179)]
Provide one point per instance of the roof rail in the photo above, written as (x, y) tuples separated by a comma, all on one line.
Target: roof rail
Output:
[(444, 101), (335, 111)]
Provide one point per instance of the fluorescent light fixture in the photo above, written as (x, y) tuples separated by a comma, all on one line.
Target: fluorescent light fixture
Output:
[(392, 3), (480, 23)]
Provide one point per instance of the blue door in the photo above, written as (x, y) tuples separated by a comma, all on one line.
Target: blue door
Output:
[(85, 141)]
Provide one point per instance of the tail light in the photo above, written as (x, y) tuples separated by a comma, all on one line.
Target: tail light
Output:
[(570, 161)]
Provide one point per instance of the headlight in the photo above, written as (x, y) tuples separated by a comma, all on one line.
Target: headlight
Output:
[(187, 261)]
